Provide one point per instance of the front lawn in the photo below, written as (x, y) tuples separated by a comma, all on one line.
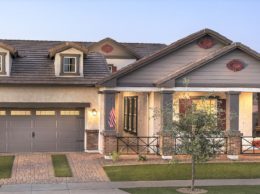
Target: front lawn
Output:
[(61, 165), (183, 171), (211, 190), (6, 165)]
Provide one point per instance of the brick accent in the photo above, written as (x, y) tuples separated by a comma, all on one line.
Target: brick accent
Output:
[(110, 142), (92, 139), (234, 142), (166, 143)]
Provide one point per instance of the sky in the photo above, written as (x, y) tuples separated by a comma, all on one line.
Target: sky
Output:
[(159, 21)]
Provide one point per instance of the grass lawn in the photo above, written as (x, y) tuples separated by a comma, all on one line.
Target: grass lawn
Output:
[(211, 190), (61, 165), (6, 165), (183, 171)]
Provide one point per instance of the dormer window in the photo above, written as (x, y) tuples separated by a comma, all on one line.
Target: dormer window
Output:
[(112, 68), (70, 64), (2, 63)]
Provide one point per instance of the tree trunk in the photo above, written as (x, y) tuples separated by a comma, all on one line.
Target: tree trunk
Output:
[(192, 173)]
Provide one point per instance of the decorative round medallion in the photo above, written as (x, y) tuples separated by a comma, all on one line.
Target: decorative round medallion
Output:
[(106, 48), (235, 65), (206, 42)]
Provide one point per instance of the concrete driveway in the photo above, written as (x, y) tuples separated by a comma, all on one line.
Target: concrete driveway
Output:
[(37, 168)]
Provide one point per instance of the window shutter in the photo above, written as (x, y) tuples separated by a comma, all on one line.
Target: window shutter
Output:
[(114, 69), (184, 104)]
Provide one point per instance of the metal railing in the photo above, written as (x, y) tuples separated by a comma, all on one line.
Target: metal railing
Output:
[(222, 140), (138, 145), (250, 145)]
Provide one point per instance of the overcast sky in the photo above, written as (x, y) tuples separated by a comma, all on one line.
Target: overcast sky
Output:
[(162, 21)]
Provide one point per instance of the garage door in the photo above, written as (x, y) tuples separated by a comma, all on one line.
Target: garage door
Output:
[(41, 130)]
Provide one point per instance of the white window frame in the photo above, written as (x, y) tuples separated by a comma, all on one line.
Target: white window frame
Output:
[(66, 57), (1, 63), (110, 68)]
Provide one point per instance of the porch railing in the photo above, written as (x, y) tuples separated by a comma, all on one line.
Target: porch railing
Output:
[(138, 145), (222, 140), (250, 145)]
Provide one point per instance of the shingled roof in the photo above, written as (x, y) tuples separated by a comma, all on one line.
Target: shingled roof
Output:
[(34, 66), (122, 46), (9, 48), (67, 45)]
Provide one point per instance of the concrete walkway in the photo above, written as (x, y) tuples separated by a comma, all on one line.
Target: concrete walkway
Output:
[(112, 187)]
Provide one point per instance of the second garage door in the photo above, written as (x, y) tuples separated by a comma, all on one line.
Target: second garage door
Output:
[(41, 130)]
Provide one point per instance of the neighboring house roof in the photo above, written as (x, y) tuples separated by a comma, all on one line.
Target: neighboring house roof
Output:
[(34, 66), (66, 46), (11, 49), (164, 51), (123, 46), (203, 61)]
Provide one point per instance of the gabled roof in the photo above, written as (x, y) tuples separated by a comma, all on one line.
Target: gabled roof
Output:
[(11, 49), (123, 46), (166, 50), (65, 46), (211, 57)]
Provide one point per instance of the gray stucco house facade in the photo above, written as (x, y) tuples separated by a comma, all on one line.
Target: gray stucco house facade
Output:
[(81, 96)]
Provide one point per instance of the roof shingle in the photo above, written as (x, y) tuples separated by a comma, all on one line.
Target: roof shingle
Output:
[(33, 66)]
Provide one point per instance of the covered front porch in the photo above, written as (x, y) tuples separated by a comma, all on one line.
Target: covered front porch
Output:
[(135, 110), (229, 74)]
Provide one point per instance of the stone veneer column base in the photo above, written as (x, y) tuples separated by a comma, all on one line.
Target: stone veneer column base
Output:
[(233, 144), (110, 143)]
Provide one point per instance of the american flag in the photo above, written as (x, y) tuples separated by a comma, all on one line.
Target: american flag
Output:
[(112, 118)]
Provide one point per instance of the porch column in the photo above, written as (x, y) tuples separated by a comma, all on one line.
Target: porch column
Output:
[(167, 109), (234, 110), (109, 133), (166, 139), (109, 98), (233, 133), (257, 129)]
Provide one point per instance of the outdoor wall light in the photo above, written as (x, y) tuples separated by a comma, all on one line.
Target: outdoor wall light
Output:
[(94, 112)]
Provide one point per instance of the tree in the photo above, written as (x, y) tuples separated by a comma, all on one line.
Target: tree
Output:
[(197, 128)]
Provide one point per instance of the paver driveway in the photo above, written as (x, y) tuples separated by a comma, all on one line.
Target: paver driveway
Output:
[(37, 168)]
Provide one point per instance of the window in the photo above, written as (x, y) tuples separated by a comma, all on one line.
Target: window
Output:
[(69, 113), (2, 113), (112, 68), (130, 114), (45, 112), (199, 104), (69, 64), (212, 106), (1, 63), (207, 104), (20, 113)]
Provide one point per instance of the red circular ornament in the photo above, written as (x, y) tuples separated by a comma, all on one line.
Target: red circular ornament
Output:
[(107, 48), (206, 42), (235, 65)]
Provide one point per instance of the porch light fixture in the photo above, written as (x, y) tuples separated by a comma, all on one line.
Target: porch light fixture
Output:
[(94, 112)]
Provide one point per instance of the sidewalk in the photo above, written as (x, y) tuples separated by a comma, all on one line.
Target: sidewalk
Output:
[(112, 187)]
